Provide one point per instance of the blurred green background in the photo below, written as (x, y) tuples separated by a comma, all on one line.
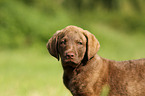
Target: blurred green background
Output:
[(27, 69)]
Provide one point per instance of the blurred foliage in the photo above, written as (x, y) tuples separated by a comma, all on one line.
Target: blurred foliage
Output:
[(27, 22)]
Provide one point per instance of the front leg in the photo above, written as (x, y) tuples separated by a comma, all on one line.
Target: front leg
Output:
[(78, 88), (78, 85), (82, 93), (85, 94)]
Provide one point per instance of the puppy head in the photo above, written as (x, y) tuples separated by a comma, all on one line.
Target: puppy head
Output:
[(72, 43)]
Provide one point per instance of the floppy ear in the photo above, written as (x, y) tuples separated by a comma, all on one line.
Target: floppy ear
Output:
[(52, 45), (92, 44)]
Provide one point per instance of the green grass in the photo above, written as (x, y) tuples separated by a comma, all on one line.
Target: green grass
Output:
[(30, 73), (33, 72)]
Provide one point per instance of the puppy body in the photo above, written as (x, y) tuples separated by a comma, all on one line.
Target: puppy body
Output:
[(85, 73), (125, 78)]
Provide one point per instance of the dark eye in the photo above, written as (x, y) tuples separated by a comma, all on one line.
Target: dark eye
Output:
[(63, 42), (80, 43)]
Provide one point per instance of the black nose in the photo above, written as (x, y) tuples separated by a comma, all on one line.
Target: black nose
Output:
[(70, 55)]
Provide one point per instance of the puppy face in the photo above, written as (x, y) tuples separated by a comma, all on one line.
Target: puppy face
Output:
[(71, 47)]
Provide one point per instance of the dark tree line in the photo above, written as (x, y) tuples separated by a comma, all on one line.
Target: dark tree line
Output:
[(81, 5)]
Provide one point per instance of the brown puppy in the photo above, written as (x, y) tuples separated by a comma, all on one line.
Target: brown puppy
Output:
[(85, 73)]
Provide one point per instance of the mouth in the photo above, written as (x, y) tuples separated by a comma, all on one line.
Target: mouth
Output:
[(69, 62)]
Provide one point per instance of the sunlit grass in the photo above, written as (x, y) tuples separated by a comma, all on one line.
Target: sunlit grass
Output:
[(30, 73)]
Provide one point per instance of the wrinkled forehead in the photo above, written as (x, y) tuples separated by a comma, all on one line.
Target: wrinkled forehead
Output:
[(72, 35)]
